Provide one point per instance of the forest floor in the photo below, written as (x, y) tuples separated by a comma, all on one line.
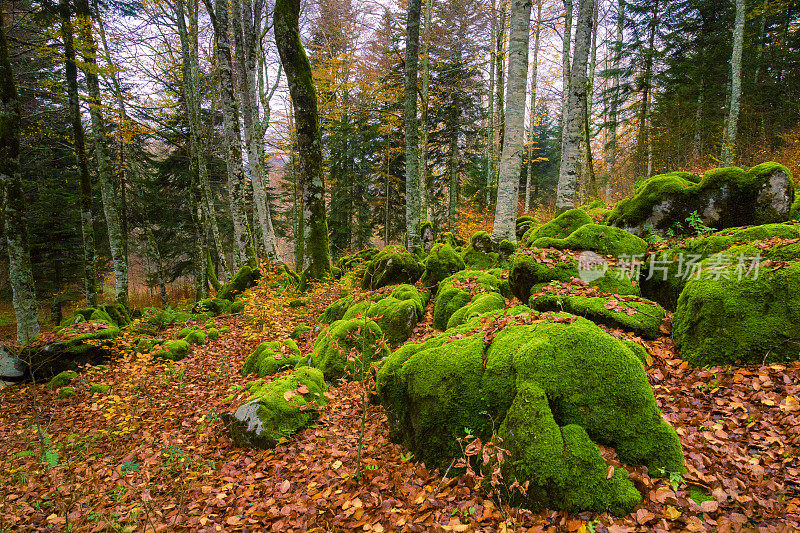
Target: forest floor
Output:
[(152, 454)]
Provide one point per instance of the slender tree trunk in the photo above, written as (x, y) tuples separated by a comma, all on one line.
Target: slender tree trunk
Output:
[(452, 206), (87, 217), (760, 46), (155, 251), (242, 39), (13, 202), (696, 146), (642, 139), (729, 138), (570, 146), (500, 85), (411, 126), (532, 117), (613, 122), (513, 147), (565, 64), (425, 211), (304, 101), (490, 149), (588, 160), (116, 238)]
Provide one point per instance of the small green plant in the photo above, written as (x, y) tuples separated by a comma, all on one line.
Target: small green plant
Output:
[(696, 224), (129, 466), (406, 457), (675, 479)]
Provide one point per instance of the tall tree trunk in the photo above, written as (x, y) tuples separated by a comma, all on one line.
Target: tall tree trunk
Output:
[(565, 65), (425, 209), (613, 118), (411, 126), (452, 206), (13, 202), (532, 116), (490, 147), (643, 138), (500, 85), (588, 160), (116, 238), (570, 146), (155, 251), (513, 146), (729, 138), (696, 146), (760, 46), (309, 142), (243, 43), (198, 168), (232, 135), (87, 217)]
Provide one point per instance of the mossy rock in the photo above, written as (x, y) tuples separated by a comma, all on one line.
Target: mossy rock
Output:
[(333, 347), (173, 350), (185, 332), (393, 265), (99, 387), (560, 227), (300, 331), (245, 278), (349, 262), (61, 379), (459, 289), (225, 329), (213, 334), (556, 384), (524, 224), (443, 261), (93, 348), (298, 302), (638, 315), (721, 319), (666, 271), (531, 268), (396, 318), (606, 240), (480, 255), (66, 392), (278, 410), (271, 357), (723, 198), (213, 306), (450, 238), (237, 307), (480, 304), (336, 310), (146, 345)]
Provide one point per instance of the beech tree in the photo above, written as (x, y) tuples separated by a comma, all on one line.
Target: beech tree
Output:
[(412, 126)]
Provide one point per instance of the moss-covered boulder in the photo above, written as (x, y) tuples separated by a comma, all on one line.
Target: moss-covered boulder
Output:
[(461, 288), (480, 254), (349, 262), (271, 357), (631, 313), (669, 267), (606, 240), (61, 379), (347, 347), (478, 305), (723, 198), (732, 313), (442, 262), (83, 344), (531, 268), (278, 410), (113, 314), (550, 384), (336, 310), (213, 334), (560, 227), (66, 392), (524, 224), (245, 278), (173, 350), (212, 306), (300, 331), (393, 265), (99, 387)]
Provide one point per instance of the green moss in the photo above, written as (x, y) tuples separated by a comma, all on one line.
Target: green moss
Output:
[(300, 331), (393, 265), (271, 357), (698, 495), (225, 329), (442, 262), (720, 319), (346, 347), (336, 310), (66, 392), (278, 410), (298, 302), (606, 240), (458, 290), (638, 350), (245, 278), (642, 317), (173, 350), (62, 379), (359, 309), (213, 306), (409, 292), (98, 315), (560, 227), (213, 334), (479, 255), (99, 387), (349, 262), (396, 318), (524, 224), (146, 345), (480, 303)]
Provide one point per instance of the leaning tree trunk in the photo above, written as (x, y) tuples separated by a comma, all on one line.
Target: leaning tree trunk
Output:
[(528, 203), (513, 146), (116, 237), (411, 126), (574, 118), (729, 138), (13, 202), (309, 142), (87, 217)]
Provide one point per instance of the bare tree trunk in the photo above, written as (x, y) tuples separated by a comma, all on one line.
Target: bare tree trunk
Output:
[(116, 238), (452, 207), (304, 101), (490, 149), (155, 251), (87, 217), (425, 209), (565, 64), (500, 85), (642, 140), (729, 138), (411, 126), (760, 47), (613, 122), (696, 148), (532, 117), (513, 147), (570, 146), (13, 202), (588, 160)]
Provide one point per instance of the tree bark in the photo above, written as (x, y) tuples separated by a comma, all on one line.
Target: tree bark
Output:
[(13, 201), (588, 160), (729, 138), (490, 149), (613, 119), (304, 101), (532, 117), (500, 85), (643, 138), (513, 147), (116, 237), (425, 211), (411, 126), (87, 217), (565, 64), (570, 146)]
